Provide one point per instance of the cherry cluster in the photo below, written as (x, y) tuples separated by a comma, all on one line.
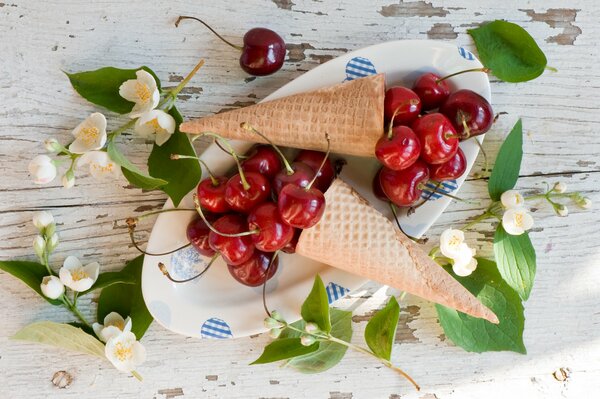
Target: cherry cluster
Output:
[(426, 125)]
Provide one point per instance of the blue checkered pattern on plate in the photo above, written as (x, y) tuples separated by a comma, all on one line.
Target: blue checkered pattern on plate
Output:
[(216, 329), (335, 292), (466, 54), (359, 67), (445, 187)]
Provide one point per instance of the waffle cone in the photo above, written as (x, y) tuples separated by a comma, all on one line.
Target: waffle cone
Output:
[(355, 237), (351, 113)]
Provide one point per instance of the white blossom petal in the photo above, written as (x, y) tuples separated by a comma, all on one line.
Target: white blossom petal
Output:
[(155, 123), (124, 352), (77, 277), (42, 169), (52, 287), (100, 164), (516, 221), (42, 219), (512, 199), (143, 91), (450, 242), (90, 135), (465, 269)]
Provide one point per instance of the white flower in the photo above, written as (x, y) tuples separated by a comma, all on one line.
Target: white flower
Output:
[(114, 324), (68, 180), (52, 145), (585, 203), (142, 91), (89, 135), (76, 276), (124, 352), (101, 166), (559, 187), (42, 168), (52, 287), (516, 221), (512, 199), (155, 123), (42, 219), (562, 210), (39, 246), (464, 264), (452, 242)]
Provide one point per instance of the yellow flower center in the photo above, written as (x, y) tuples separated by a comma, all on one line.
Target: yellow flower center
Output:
[(454, 241), (119, 324), (142, 92), (88, 134), (123, 352), (155, 125), (78, 274), (108, 168), (519, 219)]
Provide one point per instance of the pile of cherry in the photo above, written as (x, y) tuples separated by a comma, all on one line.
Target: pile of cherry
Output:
[(426, 125)]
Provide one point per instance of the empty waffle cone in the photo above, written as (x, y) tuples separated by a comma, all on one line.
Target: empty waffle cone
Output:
[(355, 237), (351, 113)]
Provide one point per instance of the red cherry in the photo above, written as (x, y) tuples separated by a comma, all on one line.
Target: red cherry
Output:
[(377, 189), (244, 200), (452, 169), (399, 151), (273, 233), (197, 233), (404, 102), (264, 160), (212, 196), (301, 177), (290, 248), (234, 250), (314, 160), (439, 141), (263, 52), (431, 92), (253, 272), (469, 106), (301, 207), (404, 187)]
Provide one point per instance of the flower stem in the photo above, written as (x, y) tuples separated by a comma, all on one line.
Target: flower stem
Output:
[(173, 93), (117, 132), (75, 311), (480, 218)]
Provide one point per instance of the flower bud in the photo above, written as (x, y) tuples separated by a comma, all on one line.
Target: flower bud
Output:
[(275, 333), (585, 203), (52, 242), (68, 179), (272, 323), (42, 219), (277, 316), (511, 199), (307, 340), (561, 210), (311, 328), (559, 187), (39, 246), (52, 287), (52, 145)]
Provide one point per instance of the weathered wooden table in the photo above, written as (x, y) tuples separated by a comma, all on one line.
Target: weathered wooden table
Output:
[(559, 111)]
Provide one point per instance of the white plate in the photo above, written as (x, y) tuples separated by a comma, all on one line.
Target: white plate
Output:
[(216, 306)]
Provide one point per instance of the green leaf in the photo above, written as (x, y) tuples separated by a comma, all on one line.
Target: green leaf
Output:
[(509, 51), (127, 299), (109, 278), (381, 329), (31, 273), (329, 353), (61, 336), (131, 172), (101, 87), (182, 175), (479, 335), (515, 256), (508, 163), (315, 308), (285, 348)]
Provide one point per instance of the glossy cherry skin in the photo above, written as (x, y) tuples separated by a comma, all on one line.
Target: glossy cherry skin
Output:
[(290, 248), (212, 197), (197, 233), (453, 169), (431, 92), (314, 159), (404, 187), (263, 52), (264, 160), (404, 102), (400, 151), (234, 250), (301, 177), (469, 106), (377, 189), (299, 207), (241, 200), (253, 272), (273, 233), (439, 141)]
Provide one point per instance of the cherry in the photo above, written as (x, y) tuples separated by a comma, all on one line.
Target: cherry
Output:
[(431, 90), (301, 176), (452, 169), (290, 248), (399, 150), (377, 189), (264, 160), (470, 113), (404, 187), (301, 207), (234, 250), (401, 104), (243, 198), (254, 271), (211, 193), (439, 141), (197, 232), (314, 159), (273, 232)]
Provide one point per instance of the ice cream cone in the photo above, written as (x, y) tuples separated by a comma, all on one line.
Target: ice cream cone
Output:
[(351, 113), (355, 237)]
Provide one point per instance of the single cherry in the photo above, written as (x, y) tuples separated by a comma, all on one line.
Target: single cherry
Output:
[(243, 198), (273, 232), (399, 150), (470, 113), (211, 193), (439, 141), (377, 189), (197, 232), (301, 207), (314, 159), (301, 176), (290, 248), (452, 169), (404, 187), (264, 160), (234, 250), (431, 90), (402, 104), (254, 271)]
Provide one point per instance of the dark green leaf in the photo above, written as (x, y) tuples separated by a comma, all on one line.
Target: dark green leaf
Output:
[(109, 278), (315, 308), (285, 348), (86, 329), (127, 299), (479, 335), (508, 163), (515, 256), (133, 174), (31, 273), (381, 329), (509, 51), (101, 87)]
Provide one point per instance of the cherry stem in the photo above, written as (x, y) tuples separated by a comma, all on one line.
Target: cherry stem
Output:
[(395, 213), (214, 180), (182, 17), (484, 70), (264, 285), (391, 126), (164, 271), (485, 158), (132, 224), (325, 159), (288, 168), (236, 158), (213, 229)]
